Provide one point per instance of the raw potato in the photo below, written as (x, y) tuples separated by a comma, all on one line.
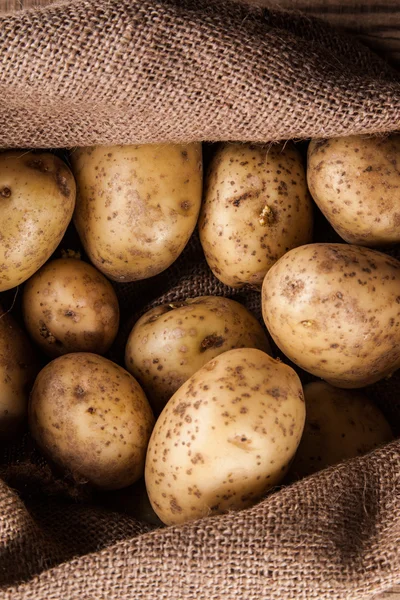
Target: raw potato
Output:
[(171, 342), (340, 424), (92, 418), (18, 369), (334, 310), (256, 208), (356, 183), (37, 199), (225, 438), (137, 206), (68, 306)]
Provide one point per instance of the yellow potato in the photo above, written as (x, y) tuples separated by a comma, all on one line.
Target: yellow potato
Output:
[(92, 418), (37, 199), (68, 306), (18, 369), (225, 437), (334, 310), (137, 206), (356, 183), (256, 208), (171, 342), (340, 424)]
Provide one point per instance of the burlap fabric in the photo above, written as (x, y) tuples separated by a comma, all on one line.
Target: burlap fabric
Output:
[(121, 72)]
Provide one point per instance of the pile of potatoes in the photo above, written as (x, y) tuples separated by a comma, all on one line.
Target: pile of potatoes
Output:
[(204, 406)]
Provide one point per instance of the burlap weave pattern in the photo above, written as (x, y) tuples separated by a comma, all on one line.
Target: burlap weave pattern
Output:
[(104, 71)]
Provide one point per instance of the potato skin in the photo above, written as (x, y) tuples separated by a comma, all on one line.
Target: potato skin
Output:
[(256, 208), (68, 306), (37, 198), (334, 310), (137, 206), (171, 342), (340, 424), (355, 182), (225, 438), (92, 418), (18, 369)]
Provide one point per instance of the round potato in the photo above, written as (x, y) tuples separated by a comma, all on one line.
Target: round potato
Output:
[(137, 206), (340, 424), (37, 198), (68, 306), (356, 183), (18, 369), (256, 208), (225, 438), (334, 310), (92, 418), (171, 342)]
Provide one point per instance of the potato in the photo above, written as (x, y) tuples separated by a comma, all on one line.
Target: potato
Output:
[(171, 342), (68, 306), (340, 424), (256, 208), (37, 196), (225, 437), (92, 418), (334, 310), (18, 369), (137, 206), (356, 183)]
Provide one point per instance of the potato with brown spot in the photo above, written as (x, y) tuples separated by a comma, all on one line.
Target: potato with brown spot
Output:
[(356, 183), (340, 424), (68, 306), (334, 310), (137, 206), (37, 199), (256, 208), (171, 342), (18, 369), (92, 418), (207, 455)]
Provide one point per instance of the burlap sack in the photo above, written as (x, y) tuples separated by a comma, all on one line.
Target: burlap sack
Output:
[(159, 70)]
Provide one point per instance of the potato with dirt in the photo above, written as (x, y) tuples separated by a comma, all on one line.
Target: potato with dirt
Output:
[(171, 342), (334, 310), (92, 419), (37, 199), (225, 437), (340, 424), (18, 369), (256, 208), (355, 181), (137, 206), (69, 306)]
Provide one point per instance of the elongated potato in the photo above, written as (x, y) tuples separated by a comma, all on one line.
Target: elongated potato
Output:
[(37, 199), (92, 418), (256, 208), (225, 438), (137, 206), (334, 310)]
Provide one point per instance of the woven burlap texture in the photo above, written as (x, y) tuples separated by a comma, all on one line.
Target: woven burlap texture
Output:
[(159, 71), (112, 71)]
